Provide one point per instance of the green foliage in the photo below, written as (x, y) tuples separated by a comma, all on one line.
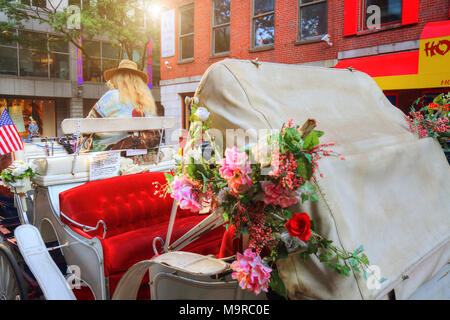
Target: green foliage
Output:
[(304, 168), (120, 21), (311, 140), (276, 284)]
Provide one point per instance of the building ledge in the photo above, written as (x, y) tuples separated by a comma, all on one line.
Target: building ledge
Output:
[(262, 48)]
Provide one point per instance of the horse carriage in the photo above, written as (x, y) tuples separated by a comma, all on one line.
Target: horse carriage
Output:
[(112, 235)]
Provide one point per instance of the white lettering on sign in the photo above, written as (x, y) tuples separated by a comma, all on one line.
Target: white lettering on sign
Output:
[(136, 152), (104, 165), (168, 34)]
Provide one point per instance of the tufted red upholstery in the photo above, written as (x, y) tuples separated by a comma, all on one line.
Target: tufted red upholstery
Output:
[(134, 216)]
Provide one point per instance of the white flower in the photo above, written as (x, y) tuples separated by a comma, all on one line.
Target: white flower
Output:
[(202, 113), (196, 154), (19, 170)]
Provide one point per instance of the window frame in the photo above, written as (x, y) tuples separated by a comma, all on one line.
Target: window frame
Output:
[(300, 6), (181, 36), (252, 28), (213, 28), (382, 25)]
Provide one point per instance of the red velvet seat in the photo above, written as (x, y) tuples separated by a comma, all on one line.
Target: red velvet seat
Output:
[(134, 216)]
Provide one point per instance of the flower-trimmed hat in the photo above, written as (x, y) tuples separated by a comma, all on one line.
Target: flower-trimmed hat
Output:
[(125, 65)]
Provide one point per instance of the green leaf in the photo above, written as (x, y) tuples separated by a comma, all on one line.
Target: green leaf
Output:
[(318, 133), (277, 284), (304, 197), (304, 168), (311, 141), (364, 259), (314, 197)]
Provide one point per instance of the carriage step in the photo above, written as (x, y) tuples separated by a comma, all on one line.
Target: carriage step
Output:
[(36, 256)]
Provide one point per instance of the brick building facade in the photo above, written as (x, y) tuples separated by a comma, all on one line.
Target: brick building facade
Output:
[(202, 32)]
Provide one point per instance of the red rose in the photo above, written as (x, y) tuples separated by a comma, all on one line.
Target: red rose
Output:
[(299, 226)]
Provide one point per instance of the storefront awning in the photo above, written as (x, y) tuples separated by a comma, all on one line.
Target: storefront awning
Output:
[(404, 63), (429, 67)]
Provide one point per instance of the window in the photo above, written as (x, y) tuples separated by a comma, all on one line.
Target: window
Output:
[(263, 23), (8, 57), (102, 56), (186, 35), (59, 58), (38, 55), (312, 19), (221, 26), (35, 3), (390, 11), (33, 54)]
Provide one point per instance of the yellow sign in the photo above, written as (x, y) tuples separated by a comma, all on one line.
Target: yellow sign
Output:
[(434, 68)]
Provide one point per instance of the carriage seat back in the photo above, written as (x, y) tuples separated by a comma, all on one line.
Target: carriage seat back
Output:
[(121, 204)]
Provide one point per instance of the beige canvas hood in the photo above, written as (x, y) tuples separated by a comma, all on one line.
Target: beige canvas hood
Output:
[(390, 195)]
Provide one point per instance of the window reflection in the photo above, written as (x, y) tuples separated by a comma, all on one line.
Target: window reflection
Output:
[(221, 26), (222, 39), (263, 23), (313, 21), (263, 6), (186, 36), (33, 63), (264, 30), (8, 61), (391, 10), (221, 12), (92, 69), (59, 66)]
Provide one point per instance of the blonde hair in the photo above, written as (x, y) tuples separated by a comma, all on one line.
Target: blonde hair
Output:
[(133, 89)]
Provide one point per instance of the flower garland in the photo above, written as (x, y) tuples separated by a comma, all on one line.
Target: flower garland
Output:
[(253, 189), (17, 171)]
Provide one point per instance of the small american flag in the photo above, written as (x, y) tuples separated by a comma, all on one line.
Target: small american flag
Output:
[(9, 136)]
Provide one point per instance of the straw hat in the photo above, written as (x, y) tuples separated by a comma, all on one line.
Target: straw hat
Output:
[(125, 65)]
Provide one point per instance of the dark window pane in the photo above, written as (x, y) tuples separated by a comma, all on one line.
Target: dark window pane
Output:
[(187, 47), (262, 6), (221, 12), (313, 20), (110, 51), (109, 64), (391, 10), (40, 3), (59, 66), (58, 44), (8, 61), (7, 38), (264, 30), (33, 40), (187, 20), (307, 1), (92, 69), (33, 63), (222, 39), (92, 48)]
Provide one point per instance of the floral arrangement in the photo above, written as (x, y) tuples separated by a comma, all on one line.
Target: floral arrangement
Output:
[(16, 172), (253, 189), (431, 120)]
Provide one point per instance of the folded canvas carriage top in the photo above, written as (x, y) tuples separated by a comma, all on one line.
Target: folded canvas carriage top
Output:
[(391, 194)]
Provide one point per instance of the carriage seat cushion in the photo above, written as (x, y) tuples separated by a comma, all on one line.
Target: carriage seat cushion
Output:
[(133, 215)]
